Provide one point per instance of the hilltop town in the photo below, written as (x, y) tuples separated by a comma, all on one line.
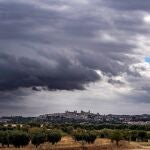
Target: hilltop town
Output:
[(81, 117)]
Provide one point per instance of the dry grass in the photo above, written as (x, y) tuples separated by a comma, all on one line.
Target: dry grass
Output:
[(67, 143)]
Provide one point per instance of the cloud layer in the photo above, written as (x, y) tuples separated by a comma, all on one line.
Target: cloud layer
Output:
[(67, 45)]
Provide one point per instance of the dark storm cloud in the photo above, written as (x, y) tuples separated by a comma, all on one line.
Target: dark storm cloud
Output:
[(24, 72), (28, 23)]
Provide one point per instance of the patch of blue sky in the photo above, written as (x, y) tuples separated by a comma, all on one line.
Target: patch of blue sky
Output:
[(147, 59)]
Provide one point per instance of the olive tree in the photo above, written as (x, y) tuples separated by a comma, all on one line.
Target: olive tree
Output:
[(116, 135), (4, 138), (85, 136), (54, 136), (38, 138), (19, 139), (90, 137)]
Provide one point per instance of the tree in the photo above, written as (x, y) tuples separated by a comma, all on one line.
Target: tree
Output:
[(133, 135), (89, 137), (4, 138), (78, 135), (116, 135), (19, 139), (148, 135), (83, 135), (38, 138), (69, 129), (105, 133), (142, 135), (126, 134), (25, 128), (54, 136), (34, 130)]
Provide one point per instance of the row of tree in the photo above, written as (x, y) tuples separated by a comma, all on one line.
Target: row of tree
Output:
[(65, 126), (20, 139), (128, 135), (114, 135), (37, 136)]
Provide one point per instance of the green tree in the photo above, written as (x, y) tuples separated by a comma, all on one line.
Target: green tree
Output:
[(133, 135), (69, 129), (105, 133), (4, 138), (85, 136), (20, 139), (54, 136), (148, 135), (142, 135), (116, 135), (126, 134), (34, 130), (78, 135), (38, 138), (89, 137)]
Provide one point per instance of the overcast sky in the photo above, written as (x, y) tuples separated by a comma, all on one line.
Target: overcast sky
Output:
[(58, 55)]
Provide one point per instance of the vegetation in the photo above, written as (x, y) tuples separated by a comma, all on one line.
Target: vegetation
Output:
[(22, 135), (16, 138), (38, 138), (85, 136), (54, 136), (19, 139), (116, 135)]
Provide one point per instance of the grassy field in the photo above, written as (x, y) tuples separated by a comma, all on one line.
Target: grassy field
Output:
[(67, 143)]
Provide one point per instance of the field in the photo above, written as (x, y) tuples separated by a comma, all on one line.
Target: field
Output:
[(67, 143)]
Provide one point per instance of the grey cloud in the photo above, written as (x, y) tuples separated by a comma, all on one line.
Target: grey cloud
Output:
[(60, 44), (116, 82), (24, 72), (30, 24), (129, 5)]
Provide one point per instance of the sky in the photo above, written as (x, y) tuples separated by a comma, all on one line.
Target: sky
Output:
[(58, 55)]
